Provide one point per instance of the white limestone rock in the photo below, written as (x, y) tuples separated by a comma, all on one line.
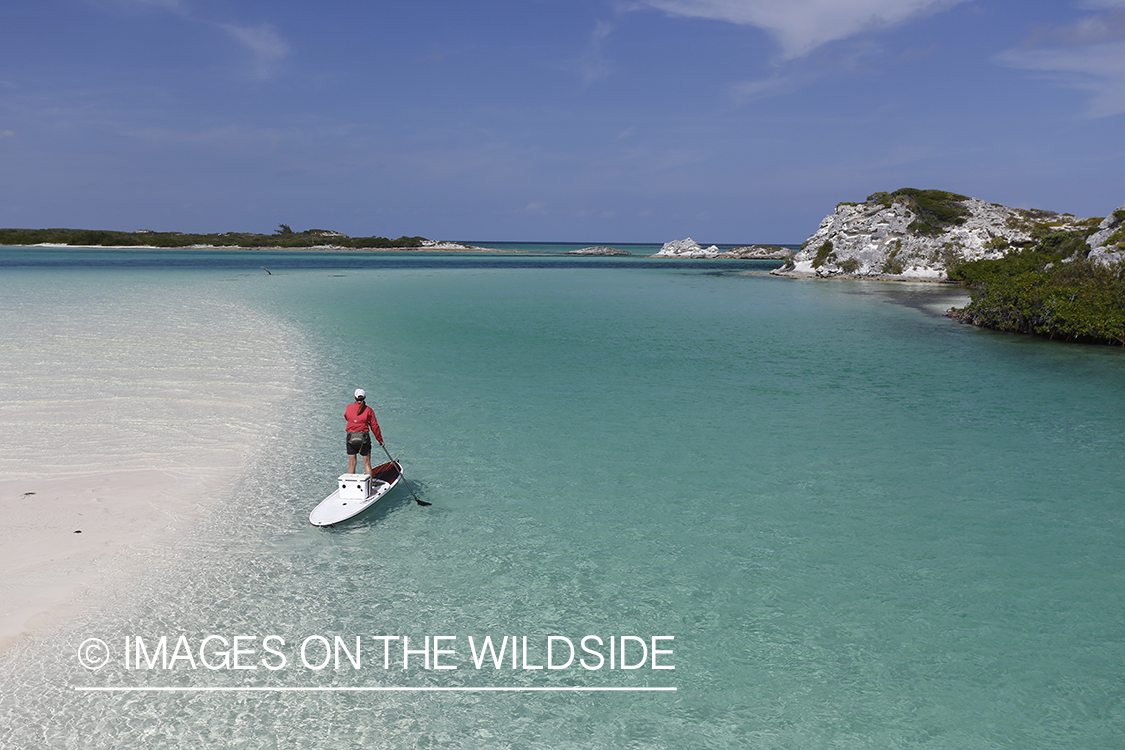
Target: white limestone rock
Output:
[(1107, 245), (876, 239), (689, 248), (758, 252), (686, 248), (599, 250)]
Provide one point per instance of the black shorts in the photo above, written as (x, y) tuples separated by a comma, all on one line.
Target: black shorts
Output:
[(362, 447)]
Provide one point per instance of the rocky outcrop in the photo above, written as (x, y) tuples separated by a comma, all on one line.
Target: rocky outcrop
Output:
[(598, 250), (687, 248), (1107, 245), (758, 252), (917, 235)]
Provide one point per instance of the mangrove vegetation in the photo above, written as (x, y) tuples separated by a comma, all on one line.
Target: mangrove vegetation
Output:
[(283, 237), (1048, 289)]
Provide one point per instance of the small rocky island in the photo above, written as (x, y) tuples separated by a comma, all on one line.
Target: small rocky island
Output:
[(598, 250), (689, 248), (1037, 272), (924, 235)]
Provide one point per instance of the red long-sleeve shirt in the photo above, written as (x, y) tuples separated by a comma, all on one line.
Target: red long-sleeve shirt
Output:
[(361, 418)]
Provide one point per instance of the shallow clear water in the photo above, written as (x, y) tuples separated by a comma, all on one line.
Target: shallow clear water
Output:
[(866, 526)]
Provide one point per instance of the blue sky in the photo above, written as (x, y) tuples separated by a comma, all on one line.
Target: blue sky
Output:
[(730, 121)]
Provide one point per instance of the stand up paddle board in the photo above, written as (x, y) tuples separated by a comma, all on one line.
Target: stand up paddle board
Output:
[(355, 494)]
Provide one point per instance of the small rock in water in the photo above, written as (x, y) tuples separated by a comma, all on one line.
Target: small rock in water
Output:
[(758, 252), (686, 248), (599, 250)]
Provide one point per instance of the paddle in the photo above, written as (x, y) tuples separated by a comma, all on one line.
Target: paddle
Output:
[(420, 502)]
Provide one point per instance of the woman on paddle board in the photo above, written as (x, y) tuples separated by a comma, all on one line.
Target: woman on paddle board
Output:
[(360, 419)]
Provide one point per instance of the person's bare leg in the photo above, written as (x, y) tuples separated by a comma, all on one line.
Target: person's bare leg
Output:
[(351, 464), (367, 464)]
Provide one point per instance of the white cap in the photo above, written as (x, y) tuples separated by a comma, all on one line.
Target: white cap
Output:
[(359, 393)]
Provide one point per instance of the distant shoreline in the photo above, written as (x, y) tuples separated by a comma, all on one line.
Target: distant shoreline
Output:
[(437, 247), (443, 247)]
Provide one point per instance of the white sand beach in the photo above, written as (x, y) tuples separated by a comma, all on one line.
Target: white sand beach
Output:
[(124, 412)]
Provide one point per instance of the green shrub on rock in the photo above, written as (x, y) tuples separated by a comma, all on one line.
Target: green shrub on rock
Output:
[(934, 210), (893, 264), (1050, 290), (823, 253)]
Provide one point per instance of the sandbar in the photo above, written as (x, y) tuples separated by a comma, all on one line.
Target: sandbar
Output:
[(126, 411)]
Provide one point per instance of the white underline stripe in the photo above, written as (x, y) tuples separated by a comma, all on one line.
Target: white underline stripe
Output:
[(258, 689)]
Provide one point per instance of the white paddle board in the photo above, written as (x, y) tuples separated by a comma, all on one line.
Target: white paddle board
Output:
[(356, 493)]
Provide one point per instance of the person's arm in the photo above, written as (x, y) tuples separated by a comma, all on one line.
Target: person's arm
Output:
[(375, 427)]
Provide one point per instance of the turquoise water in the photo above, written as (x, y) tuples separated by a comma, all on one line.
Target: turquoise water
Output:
[(865, 526)]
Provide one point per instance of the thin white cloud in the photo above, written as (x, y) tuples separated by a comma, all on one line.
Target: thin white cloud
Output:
[(801, 26), (1088, 55), (593, 63), (792, 75), (265, 45), (7, 134), (782, 81)]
